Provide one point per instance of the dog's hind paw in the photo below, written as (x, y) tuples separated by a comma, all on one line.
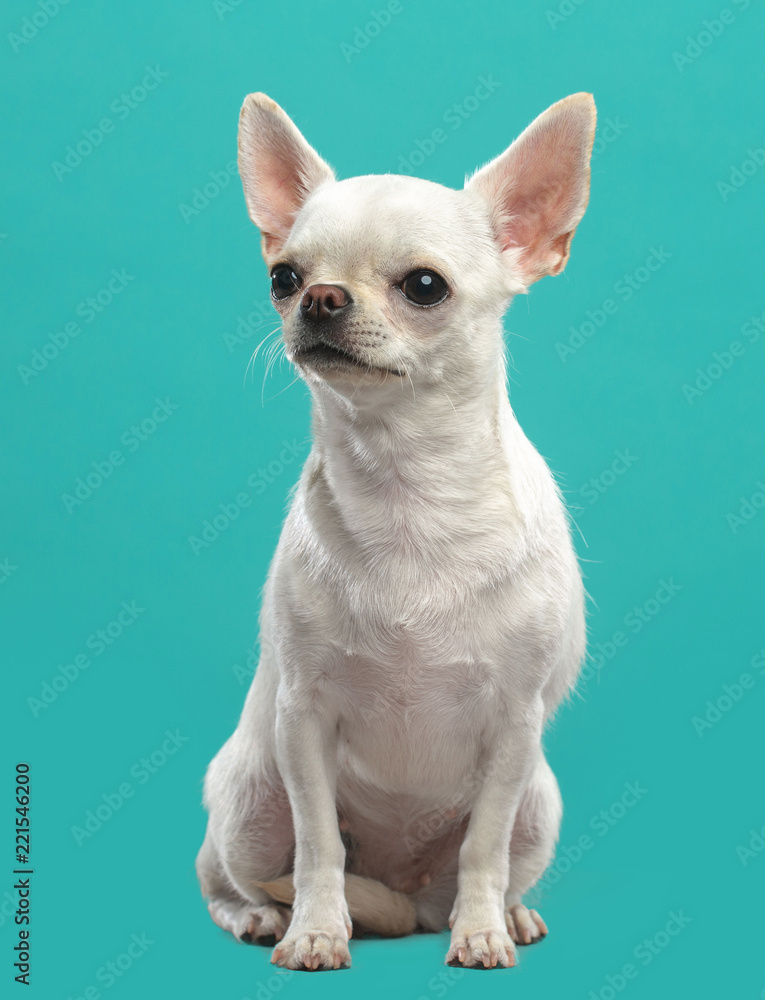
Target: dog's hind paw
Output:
[(524, 926), (247, 922)]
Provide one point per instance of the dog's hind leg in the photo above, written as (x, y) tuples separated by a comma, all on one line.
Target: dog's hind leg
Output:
[(249, 840), (532, 848), (253, 919)]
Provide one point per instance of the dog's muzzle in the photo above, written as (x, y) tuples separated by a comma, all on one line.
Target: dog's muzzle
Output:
[(321, 303)]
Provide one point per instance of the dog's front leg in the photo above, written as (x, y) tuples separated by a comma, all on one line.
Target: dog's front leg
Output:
[(479, 931), (306, 743)]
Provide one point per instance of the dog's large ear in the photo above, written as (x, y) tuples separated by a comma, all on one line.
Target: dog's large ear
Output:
[(538, 188), (278, 169)]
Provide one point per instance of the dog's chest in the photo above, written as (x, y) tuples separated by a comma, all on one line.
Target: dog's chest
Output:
[(412, 713), (415, 693)]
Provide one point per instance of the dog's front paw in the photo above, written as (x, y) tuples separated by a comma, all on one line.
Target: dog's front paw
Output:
[(485, 949), (312, 950)]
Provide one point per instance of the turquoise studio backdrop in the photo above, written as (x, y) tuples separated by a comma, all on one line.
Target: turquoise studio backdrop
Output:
[(146, 468)]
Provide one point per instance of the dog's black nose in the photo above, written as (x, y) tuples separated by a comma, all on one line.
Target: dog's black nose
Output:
[(323, 301)]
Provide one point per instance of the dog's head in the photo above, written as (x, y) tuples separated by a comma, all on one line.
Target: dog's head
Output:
[(380, 278)]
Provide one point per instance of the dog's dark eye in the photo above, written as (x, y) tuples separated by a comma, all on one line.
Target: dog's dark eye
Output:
[(284, 282), (426, 288)]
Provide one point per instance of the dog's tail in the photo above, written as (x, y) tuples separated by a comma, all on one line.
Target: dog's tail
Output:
[(376, 907)]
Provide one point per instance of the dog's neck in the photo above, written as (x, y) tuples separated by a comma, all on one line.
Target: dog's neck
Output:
[(433, 443)]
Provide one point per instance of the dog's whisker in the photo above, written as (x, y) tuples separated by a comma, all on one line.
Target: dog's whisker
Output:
[(250, 363), (270, 333), (414, 394), (276, 350), (254, 355), (284, 389), (264, 322)]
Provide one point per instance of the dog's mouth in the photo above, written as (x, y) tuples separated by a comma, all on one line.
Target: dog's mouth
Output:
[(326, 356)]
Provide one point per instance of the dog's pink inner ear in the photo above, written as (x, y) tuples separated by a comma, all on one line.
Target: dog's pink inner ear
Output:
[(538, 188), (279, 169)]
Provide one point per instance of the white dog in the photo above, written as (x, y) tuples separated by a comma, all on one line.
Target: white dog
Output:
[(424, 612)]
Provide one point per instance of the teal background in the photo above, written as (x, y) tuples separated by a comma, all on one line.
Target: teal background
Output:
[(681, 130)]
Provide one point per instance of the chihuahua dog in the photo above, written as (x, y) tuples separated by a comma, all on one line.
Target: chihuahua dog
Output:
[(424, 612)]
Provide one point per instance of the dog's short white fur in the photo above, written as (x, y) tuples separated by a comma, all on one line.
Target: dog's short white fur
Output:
[(424, 612)]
